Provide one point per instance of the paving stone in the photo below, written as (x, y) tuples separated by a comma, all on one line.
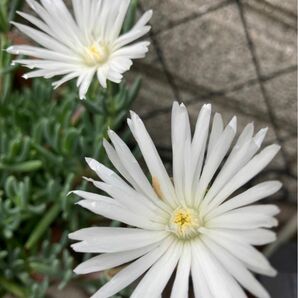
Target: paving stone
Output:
[(290, 148), (249, 100), (210, 52), (284, 285), (282, 92), (275, 44), (278, 163), (220, 106), (154, 95), (290, 184), (159, 125), (289, 5), (159, 128), (275, 10), (151, 60), (166, 13)]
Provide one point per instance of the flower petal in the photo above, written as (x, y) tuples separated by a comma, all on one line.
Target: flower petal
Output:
[(181, 283), (152, 158), (132, 166), (214, 159), (247, 254), (199, 142), (252, 195), (221, 284), (251, 169), (239, 221), (253, 237), (155, 280), (101, 239), (132, 271), (180, 139), (111, 260), (113, 210), (236, 269)]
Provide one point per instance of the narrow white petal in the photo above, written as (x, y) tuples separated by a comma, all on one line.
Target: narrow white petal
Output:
[(231, 166), (251, 169), (56, 15), (65, 79), (260, 136), (51, 65), (86, 83), (134, 51), (155, 280), (102, 74), (251, 257), (181, 283), (115, 31), (241, 221), (37, 22), (215, 158), (105, 174), (246, 135), (220, 282), (132, 166), (180, 139), (42, 38), (236, 269), (216, 131), (132, 272), (130, 36), (250, 196), (112, 210), (120, 64), (114, 76), (152, 158), (106, 240), (114, 158), (199, 278), (145, 18), (268, 210), (54, 19), (134, 201), (111, 260), (253, 237), (199, 142)]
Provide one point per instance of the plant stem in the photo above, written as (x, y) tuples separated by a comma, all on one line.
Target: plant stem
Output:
[(12, 288), (42, 226)]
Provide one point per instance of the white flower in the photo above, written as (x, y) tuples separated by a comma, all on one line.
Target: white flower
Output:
[(195, 223), (82, 46)]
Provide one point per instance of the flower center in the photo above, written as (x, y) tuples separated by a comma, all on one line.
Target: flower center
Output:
[(185, 223), (96, 54)]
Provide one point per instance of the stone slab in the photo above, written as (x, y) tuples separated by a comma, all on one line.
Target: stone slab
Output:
[(288, 5), (275, 43), (282, 92), (167, 13), (209, 52)]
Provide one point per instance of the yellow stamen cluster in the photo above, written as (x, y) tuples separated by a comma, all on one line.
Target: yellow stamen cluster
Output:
[(184, 223), (183, 219), (96, 54)]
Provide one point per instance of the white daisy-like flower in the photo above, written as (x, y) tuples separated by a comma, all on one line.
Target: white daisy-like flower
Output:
[(194, 223), (83, 45)]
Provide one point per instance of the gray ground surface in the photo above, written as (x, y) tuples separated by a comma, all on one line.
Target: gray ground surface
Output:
[(238, 55)]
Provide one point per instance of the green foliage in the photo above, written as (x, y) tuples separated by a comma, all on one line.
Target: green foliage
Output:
[(44, 137), (8, 10), (43, 142)]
